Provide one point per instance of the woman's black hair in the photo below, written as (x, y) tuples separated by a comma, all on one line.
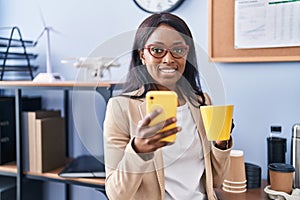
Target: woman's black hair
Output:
[(138, 75)]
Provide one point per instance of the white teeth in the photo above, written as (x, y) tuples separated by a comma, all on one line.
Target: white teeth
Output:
[(167, 70)]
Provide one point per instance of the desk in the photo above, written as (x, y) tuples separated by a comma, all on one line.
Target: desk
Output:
[(250, 194)]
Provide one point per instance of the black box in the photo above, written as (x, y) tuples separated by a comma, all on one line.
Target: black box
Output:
[(8, 124), (7, 188), (32, 190)]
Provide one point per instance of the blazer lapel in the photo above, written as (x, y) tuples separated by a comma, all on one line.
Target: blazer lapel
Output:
[(206, 146), (158, 158), (142, 109), (199, 123)]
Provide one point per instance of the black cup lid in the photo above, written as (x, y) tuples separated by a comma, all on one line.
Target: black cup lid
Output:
[(276, 139), (281, 167), (252, 166)]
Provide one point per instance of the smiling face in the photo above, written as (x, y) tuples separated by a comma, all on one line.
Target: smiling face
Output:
[(166, 69)]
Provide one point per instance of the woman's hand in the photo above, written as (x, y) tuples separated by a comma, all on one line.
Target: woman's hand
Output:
[(148, 138), (222, 144)]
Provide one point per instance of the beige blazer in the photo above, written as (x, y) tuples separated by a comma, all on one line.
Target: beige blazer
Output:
[(128, 176)]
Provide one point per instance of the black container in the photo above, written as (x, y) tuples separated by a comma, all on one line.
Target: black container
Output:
[(276, 150), (253, 175), (32, 189)]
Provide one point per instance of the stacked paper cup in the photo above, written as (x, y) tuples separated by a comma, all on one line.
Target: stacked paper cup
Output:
[(235, 181)]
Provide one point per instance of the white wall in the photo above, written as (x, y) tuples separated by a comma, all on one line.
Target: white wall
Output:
[(264, 94)]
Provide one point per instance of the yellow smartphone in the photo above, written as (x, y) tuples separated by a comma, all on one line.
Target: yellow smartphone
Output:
[(167, 100)]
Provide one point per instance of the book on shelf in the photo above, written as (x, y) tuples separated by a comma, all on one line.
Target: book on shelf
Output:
[(50, 144), (8, 124), (25, 141), (7, 131), (85, 166), (32, 117), (30, 132)]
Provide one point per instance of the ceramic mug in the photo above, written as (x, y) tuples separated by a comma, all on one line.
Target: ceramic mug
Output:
[(217, 120)]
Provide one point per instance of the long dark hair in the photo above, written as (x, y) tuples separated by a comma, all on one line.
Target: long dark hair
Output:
[(138, 76)]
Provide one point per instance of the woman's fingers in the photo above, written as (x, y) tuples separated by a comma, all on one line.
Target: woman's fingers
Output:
[(149, 117), (167, 133), (146, 131), (149, 138), (150, 144)]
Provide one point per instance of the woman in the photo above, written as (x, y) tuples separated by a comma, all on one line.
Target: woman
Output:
[(139, 165)]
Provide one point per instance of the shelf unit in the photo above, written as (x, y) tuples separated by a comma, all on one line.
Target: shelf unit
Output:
[(16, 169), (10, 51)]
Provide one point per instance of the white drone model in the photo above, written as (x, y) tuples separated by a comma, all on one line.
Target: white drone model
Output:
[(94, 66)]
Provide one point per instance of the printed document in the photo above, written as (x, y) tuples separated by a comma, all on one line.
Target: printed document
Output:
[(266, 23)]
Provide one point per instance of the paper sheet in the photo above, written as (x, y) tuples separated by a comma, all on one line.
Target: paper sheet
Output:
[(266, 23)]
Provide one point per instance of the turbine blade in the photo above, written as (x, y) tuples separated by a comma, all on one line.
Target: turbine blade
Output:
[(55, 31), (42, 16), (39, 37)]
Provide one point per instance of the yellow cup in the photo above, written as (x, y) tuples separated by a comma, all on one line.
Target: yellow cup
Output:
[(217, 121)]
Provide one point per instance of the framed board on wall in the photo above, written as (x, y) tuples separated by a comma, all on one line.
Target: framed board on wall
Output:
[(221, 39)]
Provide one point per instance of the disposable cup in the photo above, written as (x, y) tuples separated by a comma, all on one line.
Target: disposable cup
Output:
[(281, 177), (237, 172), (217, 121)]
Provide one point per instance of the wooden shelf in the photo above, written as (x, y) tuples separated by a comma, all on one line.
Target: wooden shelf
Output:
[(53, 176), (9, 169), (31, 84), (103, 87)]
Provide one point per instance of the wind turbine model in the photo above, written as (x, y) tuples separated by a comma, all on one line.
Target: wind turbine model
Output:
[(48, 76)]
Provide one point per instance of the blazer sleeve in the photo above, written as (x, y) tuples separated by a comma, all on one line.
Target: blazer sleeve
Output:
[(220, 159), (123, 165)]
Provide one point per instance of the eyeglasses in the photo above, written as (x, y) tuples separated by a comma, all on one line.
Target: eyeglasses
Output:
[(159, 51)]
